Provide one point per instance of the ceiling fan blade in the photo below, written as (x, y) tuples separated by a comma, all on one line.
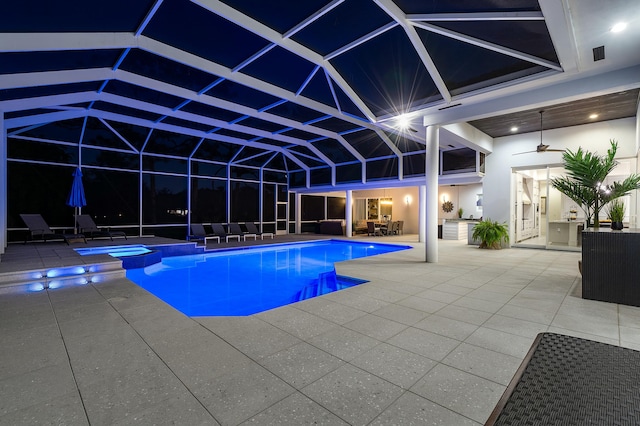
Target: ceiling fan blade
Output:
[(540, 148)]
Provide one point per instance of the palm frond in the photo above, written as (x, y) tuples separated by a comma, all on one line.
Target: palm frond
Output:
[(586, 173)]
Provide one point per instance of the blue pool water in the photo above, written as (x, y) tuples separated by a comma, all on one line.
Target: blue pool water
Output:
[(243, 282), (115, 251)]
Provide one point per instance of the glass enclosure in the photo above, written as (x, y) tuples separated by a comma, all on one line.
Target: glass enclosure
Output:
[(139, 180)]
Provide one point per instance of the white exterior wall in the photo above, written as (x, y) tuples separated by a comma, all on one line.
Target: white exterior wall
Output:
[(464, 196)]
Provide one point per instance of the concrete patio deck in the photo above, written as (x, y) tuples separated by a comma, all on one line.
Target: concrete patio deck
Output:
[(423, 344)]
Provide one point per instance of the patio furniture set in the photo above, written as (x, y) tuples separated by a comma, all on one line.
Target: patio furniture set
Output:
[(233, 231), (385, 228)]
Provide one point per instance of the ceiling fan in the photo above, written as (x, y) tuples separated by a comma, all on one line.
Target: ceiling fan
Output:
[(541, 147)]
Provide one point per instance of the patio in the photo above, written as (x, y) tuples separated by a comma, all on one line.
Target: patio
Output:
[(419, 344)]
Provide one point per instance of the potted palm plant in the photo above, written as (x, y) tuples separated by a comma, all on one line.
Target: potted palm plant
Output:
[(584, 181), (615, 213), (490, 233)]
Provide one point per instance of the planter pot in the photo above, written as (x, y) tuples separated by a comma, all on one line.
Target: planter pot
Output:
[(617, 226)]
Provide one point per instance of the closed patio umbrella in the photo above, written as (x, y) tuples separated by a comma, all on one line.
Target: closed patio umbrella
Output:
[(76, 197)]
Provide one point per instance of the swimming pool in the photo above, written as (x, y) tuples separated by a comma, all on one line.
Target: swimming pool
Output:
[(115, 251), (247, 281)]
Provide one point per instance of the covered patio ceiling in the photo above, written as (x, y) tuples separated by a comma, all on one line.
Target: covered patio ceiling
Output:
[(307, 84)]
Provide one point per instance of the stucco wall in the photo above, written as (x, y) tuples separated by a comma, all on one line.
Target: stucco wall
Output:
[(464, 196)]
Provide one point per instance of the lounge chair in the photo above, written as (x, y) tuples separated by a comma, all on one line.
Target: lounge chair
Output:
[(198, 233), (38, 229), (252, 228), (234, 229), (88, 227), (219, 231)]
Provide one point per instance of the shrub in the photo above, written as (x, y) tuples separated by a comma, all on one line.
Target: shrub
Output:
[(490, 233)]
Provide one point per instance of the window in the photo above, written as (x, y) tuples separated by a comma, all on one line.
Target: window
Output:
[(458, 161)]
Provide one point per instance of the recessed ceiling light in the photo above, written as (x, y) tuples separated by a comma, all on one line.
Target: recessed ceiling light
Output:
[(593, 116), (620, 26), (514, 129)]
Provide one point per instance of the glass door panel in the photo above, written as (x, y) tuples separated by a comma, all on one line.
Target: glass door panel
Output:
[(527, 220), (565, 219)]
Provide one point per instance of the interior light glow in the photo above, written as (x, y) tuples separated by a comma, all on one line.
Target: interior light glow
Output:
[(514, 129), (620, 26), (593, 116)]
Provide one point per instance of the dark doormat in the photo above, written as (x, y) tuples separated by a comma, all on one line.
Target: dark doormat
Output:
[(565, 380)]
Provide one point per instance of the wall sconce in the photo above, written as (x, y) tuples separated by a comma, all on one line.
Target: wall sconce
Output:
[(407, 200), (444, 198)]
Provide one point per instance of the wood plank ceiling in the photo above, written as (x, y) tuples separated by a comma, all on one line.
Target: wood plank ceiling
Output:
[(607, 107)]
